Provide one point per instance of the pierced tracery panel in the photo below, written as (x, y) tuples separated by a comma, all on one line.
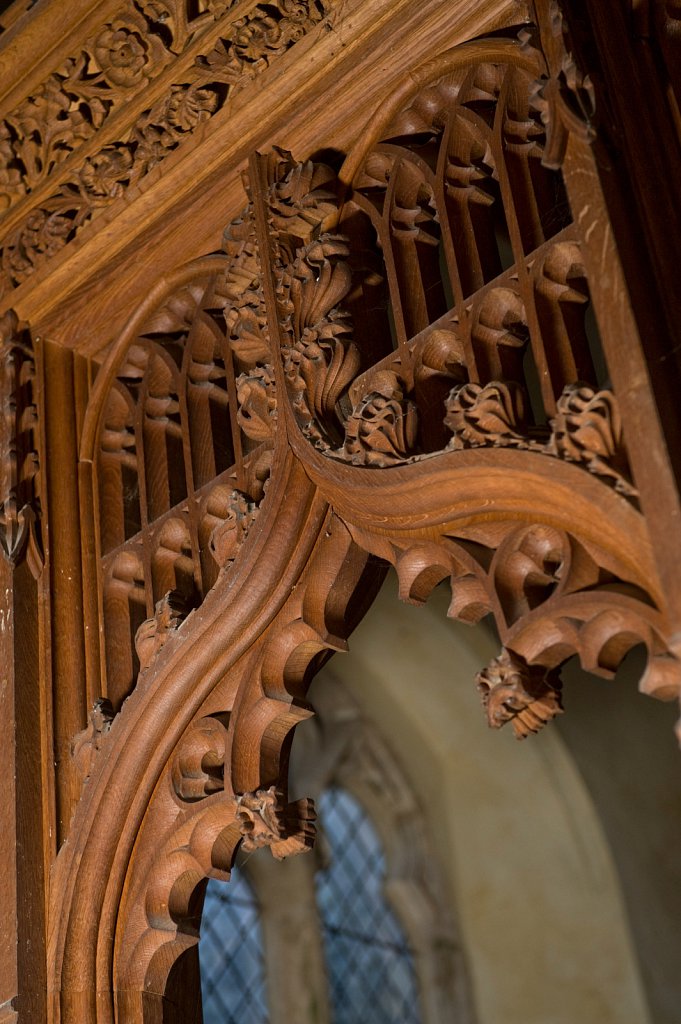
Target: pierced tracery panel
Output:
[(184, 455), (485, 281), (456, 263), (470, 329)]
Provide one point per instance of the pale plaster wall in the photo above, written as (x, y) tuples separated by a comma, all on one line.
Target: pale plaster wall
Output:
[(531, 874), (625, 748)]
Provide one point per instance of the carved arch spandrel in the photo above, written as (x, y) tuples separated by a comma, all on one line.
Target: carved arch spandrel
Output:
[(584, 577), (252, 642), (232, 762), (559, 576), (230, 633)]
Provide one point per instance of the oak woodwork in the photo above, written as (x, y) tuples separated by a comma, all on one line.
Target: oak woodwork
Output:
[(413, 332)]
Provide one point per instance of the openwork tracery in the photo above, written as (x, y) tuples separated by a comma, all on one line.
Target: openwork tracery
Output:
[(400, 353), (184, 454), (495, 374)]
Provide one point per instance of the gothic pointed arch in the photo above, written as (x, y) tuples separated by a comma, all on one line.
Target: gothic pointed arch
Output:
[(387, 362)]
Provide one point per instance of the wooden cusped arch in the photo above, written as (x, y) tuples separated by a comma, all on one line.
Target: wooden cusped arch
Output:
[(433, 402)]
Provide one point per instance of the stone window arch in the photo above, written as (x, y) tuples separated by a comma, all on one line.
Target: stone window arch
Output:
[(340, 751)]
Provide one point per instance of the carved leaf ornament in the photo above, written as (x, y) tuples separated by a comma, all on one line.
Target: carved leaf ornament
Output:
[(54, 133), (281, 420)]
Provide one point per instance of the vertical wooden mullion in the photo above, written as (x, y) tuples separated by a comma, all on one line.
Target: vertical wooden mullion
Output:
[(407, 264), (525, 279), (90, 546), (228, 359), (144, 505), (27, 839), (185, 420), (66, 584), (386, 243), (188, 448), (445, 229)]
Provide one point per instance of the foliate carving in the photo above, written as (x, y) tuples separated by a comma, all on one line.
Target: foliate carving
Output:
[(566, 99), (257, 400), (180, 19), (301, 203), (75, 101), (528, 696), (87, 743), (480, 415), (265, 820), (587, 428), (382, 428), (119, 59), (124, 53), (170, 612), (228, 536), (312, 277), (321, 361), (20, 493)]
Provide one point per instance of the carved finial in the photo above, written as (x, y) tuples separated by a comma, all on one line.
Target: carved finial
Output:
[(86, 744), (488, 415), (320, 359), (170, 612), (302, 200), (382, 429), (257, 403), (265, 820), (528, 696), (228, 536), (587, 428)]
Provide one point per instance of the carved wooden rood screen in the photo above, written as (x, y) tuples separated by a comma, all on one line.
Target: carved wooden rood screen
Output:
[(407, 357)]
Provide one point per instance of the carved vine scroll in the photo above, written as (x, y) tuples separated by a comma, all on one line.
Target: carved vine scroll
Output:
[(62, 130)]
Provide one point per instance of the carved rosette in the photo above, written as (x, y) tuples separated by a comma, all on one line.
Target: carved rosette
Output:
[(76, 101), (528, 696)]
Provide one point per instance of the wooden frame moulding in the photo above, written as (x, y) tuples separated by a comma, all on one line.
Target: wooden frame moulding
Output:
[(557, 525)]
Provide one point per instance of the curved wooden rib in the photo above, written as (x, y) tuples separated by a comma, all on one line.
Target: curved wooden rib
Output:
[(204, 266), (504, 51), (464, 494), (562, 560), (91, 869), (185, 839)]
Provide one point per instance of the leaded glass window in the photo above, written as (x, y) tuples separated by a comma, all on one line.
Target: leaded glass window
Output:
[(370, 966), (231, 955)]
